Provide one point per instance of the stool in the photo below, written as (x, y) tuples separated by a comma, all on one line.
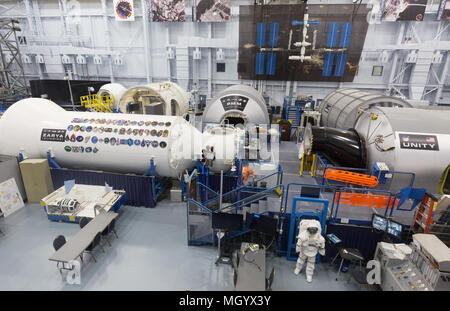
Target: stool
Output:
[(351, 254)]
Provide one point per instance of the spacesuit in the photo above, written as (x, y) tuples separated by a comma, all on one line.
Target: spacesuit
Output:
[(309, 242)]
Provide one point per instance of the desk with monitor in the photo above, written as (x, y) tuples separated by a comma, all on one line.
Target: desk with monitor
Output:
[(249, 264)]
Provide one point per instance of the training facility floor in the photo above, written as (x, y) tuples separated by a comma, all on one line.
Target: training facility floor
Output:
[(150, 254)]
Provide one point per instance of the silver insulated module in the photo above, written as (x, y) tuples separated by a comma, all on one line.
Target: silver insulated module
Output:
[(341, 107)]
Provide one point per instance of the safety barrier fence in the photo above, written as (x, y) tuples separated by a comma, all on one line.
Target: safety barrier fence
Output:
[(199, 230), (354, 205), (350, 205), (210, 196)]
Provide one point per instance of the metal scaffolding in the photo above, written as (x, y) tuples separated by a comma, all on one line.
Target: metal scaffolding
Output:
[(13, 85)]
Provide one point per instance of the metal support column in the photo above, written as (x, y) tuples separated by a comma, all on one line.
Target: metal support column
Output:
[(13, 84)]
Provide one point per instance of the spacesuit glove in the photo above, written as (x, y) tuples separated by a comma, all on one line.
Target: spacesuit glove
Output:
[(322, 251)]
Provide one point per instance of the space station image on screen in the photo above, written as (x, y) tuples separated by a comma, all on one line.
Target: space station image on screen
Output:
[(403, 10), (168, 10), (288, 42), (213, 10)]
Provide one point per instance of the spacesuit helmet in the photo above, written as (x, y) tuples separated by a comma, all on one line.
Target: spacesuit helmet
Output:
[(312, 226), (312, 230)]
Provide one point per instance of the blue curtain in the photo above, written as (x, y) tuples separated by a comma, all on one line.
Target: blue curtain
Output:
[(138, 188)]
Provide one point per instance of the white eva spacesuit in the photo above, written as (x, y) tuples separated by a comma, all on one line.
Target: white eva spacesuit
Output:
[(309, 242)]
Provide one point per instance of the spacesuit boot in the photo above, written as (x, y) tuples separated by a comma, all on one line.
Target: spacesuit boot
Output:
[(310, 269)]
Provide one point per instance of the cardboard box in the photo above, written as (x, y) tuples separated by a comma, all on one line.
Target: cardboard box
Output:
[(36, 179)]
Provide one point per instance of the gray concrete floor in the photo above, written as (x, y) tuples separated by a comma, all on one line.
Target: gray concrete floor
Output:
[(150, 254)]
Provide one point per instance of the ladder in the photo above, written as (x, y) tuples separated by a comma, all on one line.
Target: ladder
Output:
[(424, 216)]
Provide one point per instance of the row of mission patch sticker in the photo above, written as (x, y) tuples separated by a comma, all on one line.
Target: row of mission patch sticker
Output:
[(121, 131), (121, 122), (114, 141)]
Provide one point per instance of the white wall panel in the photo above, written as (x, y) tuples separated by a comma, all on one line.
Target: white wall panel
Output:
[(127, 38)]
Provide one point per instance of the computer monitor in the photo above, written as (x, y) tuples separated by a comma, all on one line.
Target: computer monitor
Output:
[(310, 192), (379, 223), (226, 221), (261, 223), (394, 228)]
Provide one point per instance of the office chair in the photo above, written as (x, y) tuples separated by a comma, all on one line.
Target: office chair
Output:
[(83, 222), (58, 242), (112, 227), (95, 242), (105, 233)]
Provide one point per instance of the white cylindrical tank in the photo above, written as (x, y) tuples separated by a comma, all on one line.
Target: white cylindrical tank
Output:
[(408, 139), (110, 142), (237, 104), (340, 108), (160, 98), (115, 90)]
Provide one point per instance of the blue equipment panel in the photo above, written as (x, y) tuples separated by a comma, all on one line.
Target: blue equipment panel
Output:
[(327, 64), (261, 34), (345, 35), (259, 66), (273, 34), (271, 62), (340, 65), (332, 34)]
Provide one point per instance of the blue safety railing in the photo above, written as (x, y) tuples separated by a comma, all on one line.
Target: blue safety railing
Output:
[(236, 192), (254, 198), (232, 208)]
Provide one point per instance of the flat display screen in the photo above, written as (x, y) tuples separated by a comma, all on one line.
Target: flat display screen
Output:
[(225, 221), (261, 223), (379, 223), (394, 228)]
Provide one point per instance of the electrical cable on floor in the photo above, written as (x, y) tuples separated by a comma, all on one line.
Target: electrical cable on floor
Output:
[(252, 262)]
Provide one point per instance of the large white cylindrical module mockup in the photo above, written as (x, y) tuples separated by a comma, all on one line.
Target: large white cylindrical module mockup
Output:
[(159, 98), (409, 140), (111, 142), (115, 90), (237, 104)]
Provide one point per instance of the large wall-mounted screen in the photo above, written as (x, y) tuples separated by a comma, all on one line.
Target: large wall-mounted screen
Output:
[(274, 44)]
